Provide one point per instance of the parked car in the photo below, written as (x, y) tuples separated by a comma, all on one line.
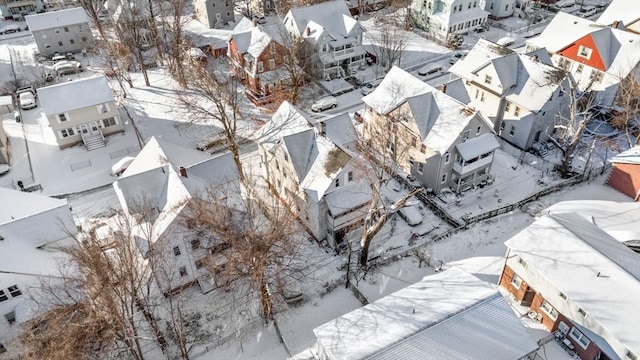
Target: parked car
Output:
[(457, 56), (506, 41), (325, 103), (27, 101), (57, 58), (586, 11), (411, 215), (48, 76), (447, 196), (24, 89), (121, 165), (430, 69), (259, 18), (368, 88), (67, 67)]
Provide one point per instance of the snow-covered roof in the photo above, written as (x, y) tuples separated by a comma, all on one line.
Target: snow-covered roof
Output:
[(288, 119), (340, 130), (450, 315), (330, 18), (17, 205), (477, 146), (563, 30), (601, 269), (626, 11), (56, 19), (616, 218), (348, 197), (200, 35), (631, 156), (73, 95), (253, 39), (439, 117), (524, 80), (456, 89)]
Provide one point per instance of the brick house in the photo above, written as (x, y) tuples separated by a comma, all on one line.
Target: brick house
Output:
[(257, 56), (625, 175), (579, 280)]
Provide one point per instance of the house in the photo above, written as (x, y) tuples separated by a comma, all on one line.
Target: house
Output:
[(334, 34), (449, 315), (315, 175), (164, 178), (81, 111), (214, 13), (625, 174), (17, 10), (622, 16), (61, 31), (4, 140), (442, 18), (580, 280), (521, 95), (427, 133), (257, 55), (33, 229), (499, 9), (598, 56)]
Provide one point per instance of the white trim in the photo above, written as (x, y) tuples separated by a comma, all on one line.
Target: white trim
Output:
[(579, 337)]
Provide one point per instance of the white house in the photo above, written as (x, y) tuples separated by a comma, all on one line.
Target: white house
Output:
[(439, 140), (450, 315), (33, 228), (598, 56), (622, 16), (500, 8), (440, 18), (521, 95), (315, 175), (336, 36), (570, 267), (16, 10), (81, 111), (61, 31), (163, 179)]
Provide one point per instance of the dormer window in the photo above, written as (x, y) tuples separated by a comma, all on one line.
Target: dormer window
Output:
[(584, 52), (487, 79)]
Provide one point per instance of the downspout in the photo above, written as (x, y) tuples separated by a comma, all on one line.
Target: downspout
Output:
[(506, 257)]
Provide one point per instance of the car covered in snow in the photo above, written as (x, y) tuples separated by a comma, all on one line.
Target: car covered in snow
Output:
[(411, 214), (121, 165), (457, 56), (368, 88), (27, 101), (430, 69), (325, 103), (66, 67), (506, 41)]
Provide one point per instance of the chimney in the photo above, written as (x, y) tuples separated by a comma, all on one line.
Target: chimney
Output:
[(443, 88), (254, 21), (323, 128), (308, 31), (183, 171), (615, 24), (534, 58)]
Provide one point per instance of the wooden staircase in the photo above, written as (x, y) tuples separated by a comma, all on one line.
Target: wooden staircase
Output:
[(93, 142)]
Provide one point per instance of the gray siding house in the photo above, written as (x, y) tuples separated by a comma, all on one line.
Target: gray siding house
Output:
[(214, 13), (61, 31)]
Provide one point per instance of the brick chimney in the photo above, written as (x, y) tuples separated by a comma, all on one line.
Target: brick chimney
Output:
[(183, 171), (443, 88)]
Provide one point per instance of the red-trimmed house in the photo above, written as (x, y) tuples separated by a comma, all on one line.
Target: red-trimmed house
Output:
[(578, 280), (257, 56), (625, 175), (598, 56)]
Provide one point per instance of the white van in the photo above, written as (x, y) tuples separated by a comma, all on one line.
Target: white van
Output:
[(586, 11), (506, 41)]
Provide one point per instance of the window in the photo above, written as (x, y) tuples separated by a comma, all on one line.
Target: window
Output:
[(563, 296), (62, 117), (195, 244), (84, 39), (512, 131), (109, 122), (103, 108), (420, 167), (487, 79), (413, 141), (507, 107), (582, 312), (502, 125), (516, 112), (465, 135), (59, 43), (443, 179), (579, 337), (482, 97), (176, 251), (596, 75), (549, 310), (272, 47), (286, 157), (423, 148), (66, 29), (11, 317), (584, 52), (260, 66), (475, 4), (337, 182), (629, 355), (506, 7), (350, 176), (47, 46), (579, 69), (67, 132), (491, 6), (183, 271), (200, 263), (478, 130), (477, 93), (272, 64), (14, 291), (516, 281), (3, 296), (447, 157)]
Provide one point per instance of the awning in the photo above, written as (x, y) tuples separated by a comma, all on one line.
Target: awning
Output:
[(477, 146)]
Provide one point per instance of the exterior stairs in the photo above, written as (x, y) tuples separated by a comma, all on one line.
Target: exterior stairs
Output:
[(93, 142)]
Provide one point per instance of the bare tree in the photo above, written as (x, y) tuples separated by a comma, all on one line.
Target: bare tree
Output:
[(174, 44), (212, 95), (298, 63), (628, 98), (94, 8), (131, 28), (254, 240), (390, 41)]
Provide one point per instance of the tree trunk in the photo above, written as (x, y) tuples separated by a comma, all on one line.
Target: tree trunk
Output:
[(265, 299)]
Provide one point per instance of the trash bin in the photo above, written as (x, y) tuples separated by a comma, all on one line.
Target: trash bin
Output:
[(16, 116)]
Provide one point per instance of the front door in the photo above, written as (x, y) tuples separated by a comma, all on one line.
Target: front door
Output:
[(527, 299), (93, 127), (84, 129)]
